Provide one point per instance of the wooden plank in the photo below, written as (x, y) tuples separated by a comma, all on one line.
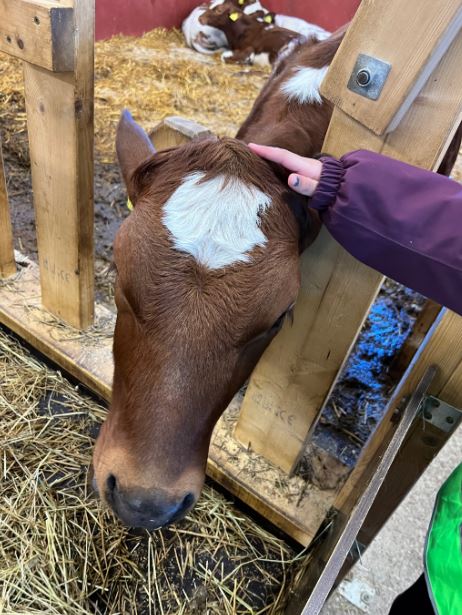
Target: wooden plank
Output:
[(173, 131), (413, 53), (314, 589), (38, 31), (442, 348), (298, 371), (7, 263), (423, 322), (87, 355), (60, 125)]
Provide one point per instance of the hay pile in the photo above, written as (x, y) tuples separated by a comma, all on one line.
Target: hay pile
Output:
[(61, 552), (155, 76)]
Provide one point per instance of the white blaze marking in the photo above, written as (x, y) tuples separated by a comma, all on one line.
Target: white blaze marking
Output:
[(217, 224), (304, 84)]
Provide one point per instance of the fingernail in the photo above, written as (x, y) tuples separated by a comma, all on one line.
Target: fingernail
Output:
[(295, 181)]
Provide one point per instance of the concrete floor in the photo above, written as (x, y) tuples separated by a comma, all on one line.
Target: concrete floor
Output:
[(394, 559)]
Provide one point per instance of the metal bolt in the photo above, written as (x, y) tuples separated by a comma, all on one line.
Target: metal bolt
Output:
[(427, 415), (363, 77), (365, 597), (436, 403), (8, 39), (36, 20), (450, 420)]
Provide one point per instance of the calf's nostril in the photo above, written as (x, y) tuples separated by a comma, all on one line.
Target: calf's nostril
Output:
[(111, 482), (184, 505), (188, 501)]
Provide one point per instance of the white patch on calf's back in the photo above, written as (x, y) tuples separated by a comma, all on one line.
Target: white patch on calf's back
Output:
[(261, 59), (217, 221), (304, 84)]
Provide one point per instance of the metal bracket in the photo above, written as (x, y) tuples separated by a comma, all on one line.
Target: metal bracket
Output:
[(440, 414), (368, 76)]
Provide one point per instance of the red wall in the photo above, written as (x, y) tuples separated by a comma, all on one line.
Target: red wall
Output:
[(138, 16)]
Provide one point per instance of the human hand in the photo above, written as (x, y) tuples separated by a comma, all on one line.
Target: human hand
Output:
[(307, 170)]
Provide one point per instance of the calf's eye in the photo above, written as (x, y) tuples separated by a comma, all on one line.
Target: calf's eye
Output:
[(280, 321)]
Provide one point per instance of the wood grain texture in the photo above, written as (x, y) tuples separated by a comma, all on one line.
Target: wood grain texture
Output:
[(443, 348), (173, 131), (329, 556), (382, 30), (59, 110), (7, 263), (39, 32), (296, 374)]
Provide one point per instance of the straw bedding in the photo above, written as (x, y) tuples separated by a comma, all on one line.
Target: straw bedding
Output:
[(62, 552)]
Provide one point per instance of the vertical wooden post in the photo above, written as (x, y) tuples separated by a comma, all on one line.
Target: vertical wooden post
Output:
[(7, 263), (60, 124), (298, 371)]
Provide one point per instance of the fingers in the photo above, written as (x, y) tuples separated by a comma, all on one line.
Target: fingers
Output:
[(302, 185), (308, 167)]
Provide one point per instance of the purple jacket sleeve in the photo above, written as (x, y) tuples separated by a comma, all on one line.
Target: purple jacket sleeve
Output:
[(403, 221)]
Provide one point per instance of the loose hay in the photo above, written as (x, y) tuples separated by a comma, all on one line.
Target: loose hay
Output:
[(62, 552), (155, 76)]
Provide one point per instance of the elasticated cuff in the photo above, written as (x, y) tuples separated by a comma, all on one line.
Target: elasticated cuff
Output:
[(329, 183)]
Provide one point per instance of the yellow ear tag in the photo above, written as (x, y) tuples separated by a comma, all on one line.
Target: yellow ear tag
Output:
[(241, 2), (129, 205), (234, 16), (268, 18)]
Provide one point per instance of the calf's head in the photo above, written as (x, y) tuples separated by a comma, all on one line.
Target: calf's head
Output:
[(207, 271)]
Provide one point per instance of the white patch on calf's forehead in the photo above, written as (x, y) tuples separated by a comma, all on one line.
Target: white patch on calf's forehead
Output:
[(304, 84), (217, 221)]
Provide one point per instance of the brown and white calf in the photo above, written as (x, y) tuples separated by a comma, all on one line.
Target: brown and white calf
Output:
[(249, 38), (207, 270), (290, 112), (207, 39)]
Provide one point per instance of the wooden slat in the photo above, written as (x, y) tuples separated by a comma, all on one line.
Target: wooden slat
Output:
[(413, 52), (297, 372), (38, 31), (173, 131), (88, 357), (7, 264), (423, 322), (443, 348), (60, 125), (292, 379), (314, 589)]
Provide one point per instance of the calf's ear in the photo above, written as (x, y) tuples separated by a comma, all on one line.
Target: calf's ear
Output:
[(133, 147)]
